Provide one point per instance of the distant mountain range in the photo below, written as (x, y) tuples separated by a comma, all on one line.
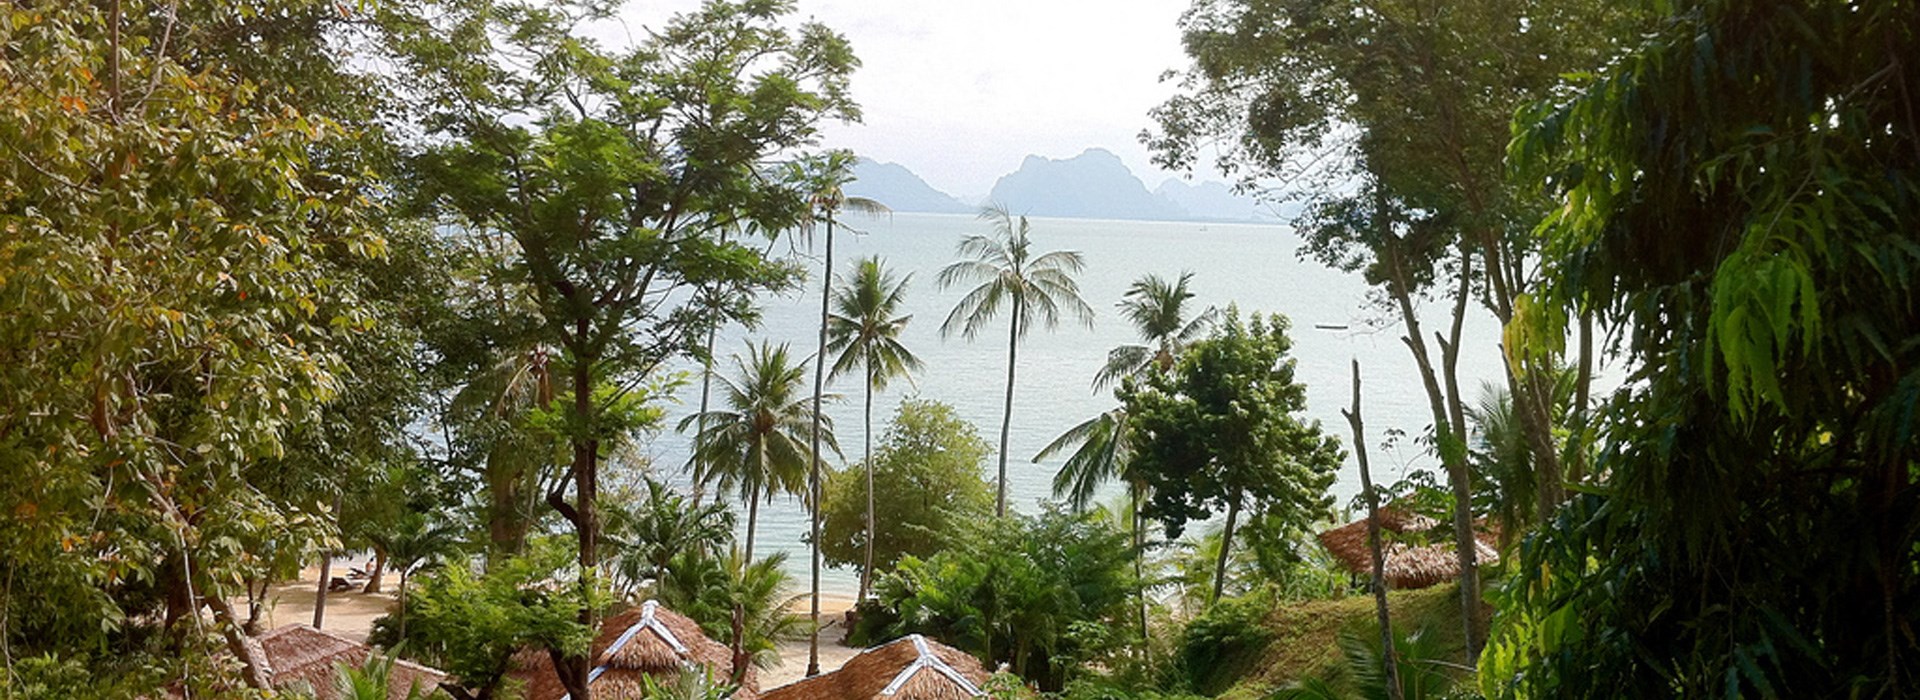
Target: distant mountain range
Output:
[(1092, 185)]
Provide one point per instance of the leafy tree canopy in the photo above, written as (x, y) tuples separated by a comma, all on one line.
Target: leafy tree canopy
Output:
[(926, 479)]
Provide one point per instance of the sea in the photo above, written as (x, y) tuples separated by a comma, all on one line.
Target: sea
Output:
[(1256, 267)]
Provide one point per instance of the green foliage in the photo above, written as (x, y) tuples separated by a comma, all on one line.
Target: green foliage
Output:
[(183, 231), (1220, 645), (373, 681), (1045, 594), (1222, 430), (757, 445), (713, 590), (1738, 192), (1224, 425), (653, 528), (470, 626), (689, 685), (926, 479), (1419, 667)]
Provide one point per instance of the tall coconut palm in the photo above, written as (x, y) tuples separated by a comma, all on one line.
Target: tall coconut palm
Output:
[(1157, 309), (864, 331), (822, 179), (755, 445), (1011, 278)]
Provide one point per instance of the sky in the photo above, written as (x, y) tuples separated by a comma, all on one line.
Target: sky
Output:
[(960, 92)]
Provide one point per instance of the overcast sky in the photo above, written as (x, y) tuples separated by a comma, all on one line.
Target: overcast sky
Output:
[(959, 91)]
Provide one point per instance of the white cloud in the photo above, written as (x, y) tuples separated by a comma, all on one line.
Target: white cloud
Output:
[(960, 91)]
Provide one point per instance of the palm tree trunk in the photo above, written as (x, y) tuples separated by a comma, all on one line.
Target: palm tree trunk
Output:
[(403, 604), (813, 478), (866, 572), (1139, 555), (326, 572), (706, 391), (1373, 543), (1226, 547), (1006, 419), (378, 573), (753, 521)]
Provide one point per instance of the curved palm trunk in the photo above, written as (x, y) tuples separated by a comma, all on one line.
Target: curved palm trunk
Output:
[(813, 478), (866, 572), (1226, 547), (1006, 419)]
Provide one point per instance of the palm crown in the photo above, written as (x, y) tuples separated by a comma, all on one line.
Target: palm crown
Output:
[(1157, 309), (1039, 288), (757, 444), (864, 327)]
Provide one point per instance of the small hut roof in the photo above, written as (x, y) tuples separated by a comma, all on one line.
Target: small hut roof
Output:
[(649, 640), (302, 654), (909, 668), (1406, 566)]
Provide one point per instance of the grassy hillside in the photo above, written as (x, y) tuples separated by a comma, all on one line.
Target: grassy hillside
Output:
[(1306, 635)]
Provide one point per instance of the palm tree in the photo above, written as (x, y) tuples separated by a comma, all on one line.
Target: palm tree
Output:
[(1031, 288), (1158, 311), (413, 543), (659, 525), (822, 178), (754, 445), (864, 331), (743, 604), (1157, 308)]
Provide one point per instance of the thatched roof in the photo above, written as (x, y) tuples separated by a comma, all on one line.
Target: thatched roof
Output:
[(1407, 566), (649, 640), (909, 668), (299, 654)]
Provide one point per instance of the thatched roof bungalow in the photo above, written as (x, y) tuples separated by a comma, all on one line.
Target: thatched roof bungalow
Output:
[(649, 640), (1408, 566), (909, 668), (301, 655)]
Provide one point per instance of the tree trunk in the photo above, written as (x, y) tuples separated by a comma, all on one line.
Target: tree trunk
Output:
[(506, 523), (866, 572), (1006, 418), (813, 476), (1450, 430), (1387, 653), (1139, 555), (706, 391), (326, 573), (753, 521), (403, 603), (741, 659), (1226, 548), (320, 593), (379, 572), (1582, 394), (257, 673), (586, 484)]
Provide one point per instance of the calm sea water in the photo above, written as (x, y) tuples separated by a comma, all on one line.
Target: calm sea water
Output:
[(1252, 266)]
